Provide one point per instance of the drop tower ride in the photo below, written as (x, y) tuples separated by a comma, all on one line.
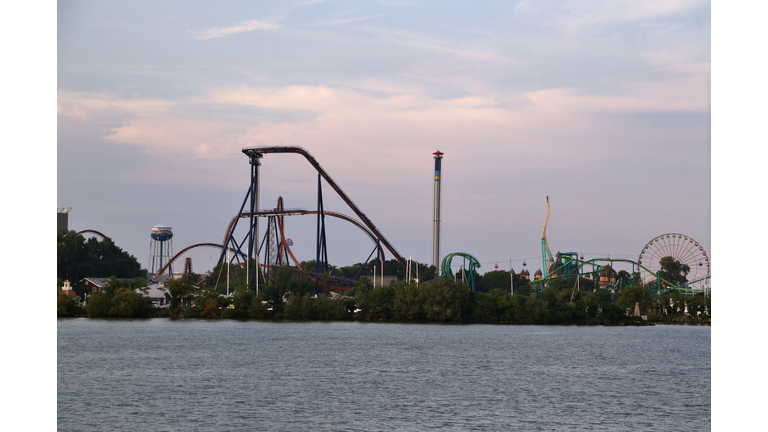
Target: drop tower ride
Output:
[(436, 231)]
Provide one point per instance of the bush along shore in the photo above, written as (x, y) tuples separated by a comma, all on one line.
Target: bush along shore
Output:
[(288, 296)]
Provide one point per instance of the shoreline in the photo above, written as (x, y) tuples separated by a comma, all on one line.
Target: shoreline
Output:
[(383, 321)]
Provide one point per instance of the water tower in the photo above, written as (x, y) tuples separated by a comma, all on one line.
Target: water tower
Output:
[(160, 247)]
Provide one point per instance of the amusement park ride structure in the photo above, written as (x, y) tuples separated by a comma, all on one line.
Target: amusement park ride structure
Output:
[(252, 213), (275, 249), (681, 248)]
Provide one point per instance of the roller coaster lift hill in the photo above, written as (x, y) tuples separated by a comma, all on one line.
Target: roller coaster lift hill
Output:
[(251, 212)]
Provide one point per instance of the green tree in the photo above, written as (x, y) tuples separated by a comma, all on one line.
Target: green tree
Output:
[(636, 293), (329, 308), (559, 306), (535, 310), (311, 266), (513, 312), (127, 303), (673, 271), (602, 296), (494, 279), (66, 305), (624, 278), (376, 303), (118, 299), (243, 274), (612, 313), (180, 292), (75, 260), (444, 300), (700, 303), (406, 305), (241, 300), (392, 267), (491, 307), (99, 304), (258, 309), (208, 304), (522, 285), (300, 307), (78, 258), (362, 284)]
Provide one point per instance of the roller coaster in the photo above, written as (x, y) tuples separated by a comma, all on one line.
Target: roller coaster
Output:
[(682, 248), (89, 231), (468, 267), (679, 247), (568, 265), (274, 250), (247, 246)]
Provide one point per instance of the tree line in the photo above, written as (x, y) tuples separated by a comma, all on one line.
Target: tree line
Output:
[(287, 294)]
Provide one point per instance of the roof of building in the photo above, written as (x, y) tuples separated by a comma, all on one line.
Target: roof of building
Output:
[(69, 293), (99, 282)]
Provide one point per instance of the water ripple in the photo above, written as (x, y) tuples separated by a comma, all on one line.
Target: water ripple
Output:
[(189, 375)]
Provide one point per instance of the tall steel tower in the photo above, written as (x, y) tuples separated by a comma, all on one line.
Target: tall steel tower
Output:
[(436, 231)]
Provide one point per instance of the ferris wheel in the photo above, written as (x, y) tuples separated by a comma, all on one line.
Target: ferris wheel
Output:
[(682, 248)]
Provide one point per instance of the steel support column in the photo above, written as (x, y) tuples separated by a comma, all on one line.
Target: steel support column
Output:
[(321, 259)]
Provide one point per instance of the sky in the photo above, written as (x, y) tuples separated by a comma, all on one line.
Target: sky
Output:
[(602, 106)]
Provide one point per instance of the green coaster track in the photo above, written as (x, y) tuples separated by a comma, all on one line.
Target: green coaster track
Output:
[(569, 265), (468, 267)]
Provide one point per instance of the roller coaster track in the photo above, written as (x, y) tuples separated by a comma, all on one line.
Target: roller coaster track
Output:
[(281, 228), (213, 245), (593, 262), (93, 232), (546, 254), (292, 212), (258, 151)]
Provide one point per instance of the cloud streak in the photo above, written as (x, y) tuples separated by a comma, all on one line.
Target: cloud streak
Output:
[(341, 21), (425, 44), (245, 26), (578, 15), (334, 121)]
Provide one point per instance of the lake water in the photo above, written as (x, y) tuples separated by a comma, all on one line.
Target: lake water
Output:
[(189, 375)]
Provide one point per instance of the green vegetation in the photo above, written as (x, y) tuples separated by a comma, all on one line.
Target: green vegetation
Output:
[(78, 258), (391, 268), (288, 294), (673, 271), (118, 299), (66, 306)]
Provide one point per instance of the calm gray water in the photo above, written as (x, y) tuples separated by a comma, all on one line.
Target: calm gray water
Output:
[(188, 375)]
